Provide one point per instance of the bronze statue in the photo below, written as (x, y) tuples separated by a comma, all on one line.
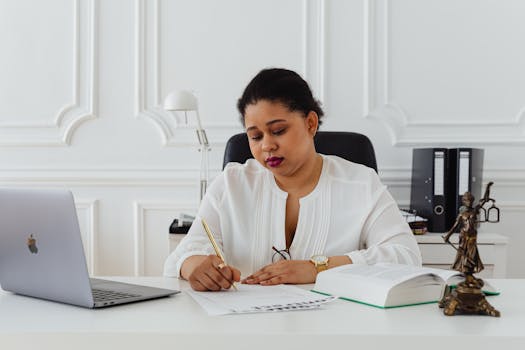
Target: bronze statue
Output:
[(467, 297)]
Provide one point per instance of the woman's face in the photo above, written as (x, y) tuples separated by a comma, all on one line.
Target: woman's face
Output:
[(281, 140)]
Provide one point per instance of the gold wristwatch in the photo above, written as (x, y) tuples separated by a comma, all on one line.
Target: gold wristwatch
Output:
[(320, 262)]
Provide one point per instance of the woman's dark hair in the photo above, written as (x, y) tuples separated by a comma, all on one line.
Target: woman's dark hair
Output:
[(280, 85)]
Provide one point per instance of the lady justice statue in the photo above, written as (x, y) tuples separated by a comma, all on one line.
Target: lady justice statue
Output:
[(467, 297)]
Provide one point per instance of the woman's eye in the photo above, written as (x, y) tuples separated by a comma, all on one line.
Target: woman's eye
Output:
[(256, 137), (279, 132)]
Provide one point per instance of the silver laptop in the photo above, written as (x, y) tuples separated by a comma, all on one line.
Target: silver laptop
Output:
[(41, 253)]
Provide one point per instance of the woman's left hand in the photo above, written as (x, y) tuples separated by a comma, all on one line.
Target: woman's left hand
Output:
[(284, 271)]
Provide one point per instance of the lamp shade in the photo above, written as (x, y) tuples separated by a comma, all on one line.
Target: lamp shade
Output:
[(180, 100)]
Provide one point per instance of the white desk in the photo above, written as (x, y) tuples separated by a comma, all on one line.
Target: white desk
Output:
[(179, 323)]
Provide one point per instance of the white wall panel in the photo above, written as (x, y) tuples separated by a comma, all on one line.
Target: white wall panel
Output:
[(511, 225), (447, 72), (151, 241), (87, 212), (314, 46), (49, 51), (187, 45)]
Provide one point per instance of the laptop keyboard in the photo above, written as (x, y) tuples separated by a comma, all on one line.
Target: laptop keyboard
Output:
[(104, 294)]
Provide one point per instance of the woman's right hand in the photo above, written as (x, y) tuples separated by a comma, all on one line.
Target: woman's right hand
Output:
[(209, 273)]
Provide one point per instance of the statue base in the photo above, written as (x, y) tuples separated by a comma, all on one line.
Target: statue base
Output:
[(467, 299)]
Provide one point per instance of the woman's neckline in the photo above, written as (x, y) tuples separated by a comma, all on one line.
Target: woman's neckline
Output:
[(318, 185)]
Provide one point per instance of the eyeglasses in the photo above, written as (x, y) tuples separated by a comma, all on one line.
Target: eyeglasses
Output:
[(280, 254)]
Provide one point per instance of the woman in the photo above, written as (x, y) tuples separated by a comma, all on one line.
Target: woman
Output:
[(290, 212)]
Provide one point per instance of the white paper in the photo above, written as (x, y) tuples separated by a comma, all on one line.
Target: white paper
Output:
[(411, 217), (257, 298)]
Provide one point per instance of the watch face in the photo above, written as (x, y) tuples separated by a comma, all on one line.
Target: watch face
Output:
[(320, 259)]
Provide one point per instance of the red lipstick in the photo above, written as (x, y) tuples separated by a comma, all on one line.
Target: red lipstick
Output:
[(274, 161)]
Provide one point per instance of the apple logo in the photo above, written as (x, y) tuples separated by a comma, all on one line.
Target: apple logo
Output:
[(31, 244)]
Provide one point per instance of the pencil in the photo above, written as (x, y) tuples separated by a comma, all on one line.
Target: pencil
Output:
[(215, 246)]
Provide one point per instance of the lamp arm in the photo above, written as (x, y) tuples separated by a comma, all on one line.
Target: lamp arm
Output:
[(205, 147), (199, 124), (204, 172), (201, 134)]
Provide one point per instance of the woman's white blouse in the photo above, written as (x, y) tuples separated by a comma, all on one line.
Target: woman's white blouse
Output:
[(349, 212)]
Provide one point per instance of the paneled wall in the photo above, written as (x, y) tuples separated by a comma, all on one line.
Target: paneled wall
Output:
[(83, 82)]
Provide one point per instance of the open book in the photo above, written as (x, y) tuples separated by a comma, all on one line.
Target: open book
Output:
[(389, 285)]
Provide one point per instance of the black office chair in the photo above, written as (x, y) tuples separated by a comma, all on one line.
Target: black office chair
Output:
[(351, 146)]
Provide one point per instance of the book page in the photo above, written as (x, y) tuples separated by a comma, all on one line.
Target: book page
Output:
[(257, 298), (390, 274), (445, 275), (452, 278)]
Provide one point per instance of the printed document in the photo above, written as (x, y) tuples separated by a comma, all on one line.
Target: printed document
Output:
[(257, 298)]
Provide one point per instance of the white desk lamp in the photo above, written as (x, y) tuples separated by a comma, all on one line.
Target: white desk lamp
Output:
[(182, 100)]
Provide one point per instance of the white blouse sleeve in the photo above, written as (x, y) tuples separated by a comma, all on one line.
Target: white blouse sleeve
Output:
[(196, 241), (386, 237)]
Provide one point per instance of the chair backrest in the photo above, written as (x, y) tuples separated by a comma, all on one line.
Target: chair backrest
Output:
[(351, 146)]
